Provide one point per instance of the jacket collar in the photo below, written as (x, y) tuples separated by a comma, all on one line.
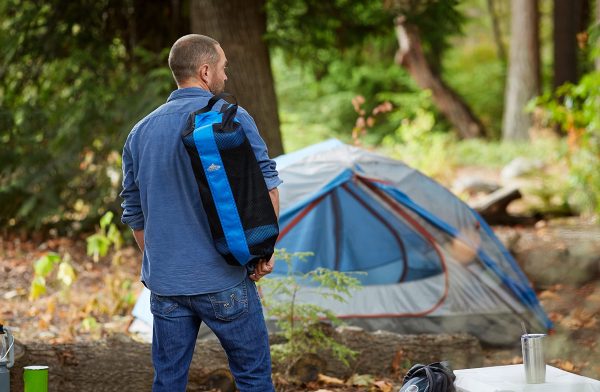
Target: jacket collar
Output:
[(188, 92)]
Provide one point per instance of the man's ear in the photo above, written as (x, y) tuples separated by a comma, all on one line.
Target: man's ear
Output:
[(203, 72)]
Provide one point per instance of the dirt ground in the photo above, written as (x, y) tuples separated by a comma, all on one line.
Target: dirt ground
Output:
[(102, 295)]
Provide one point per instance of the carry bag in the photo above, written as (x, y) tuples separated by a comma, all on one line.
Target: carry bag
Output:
[(435, 377), (232, 188)]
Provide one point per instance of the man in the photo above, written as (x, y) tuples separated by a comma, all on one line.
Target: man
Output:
[(189, 280)]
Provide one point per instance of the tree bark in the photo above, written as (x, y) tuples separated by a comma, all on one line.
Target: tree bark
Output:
[(122, 364), (116, 364), (239, 26), (523, 78), (497, 32), (411, 56), (566, 17), (597, 40)]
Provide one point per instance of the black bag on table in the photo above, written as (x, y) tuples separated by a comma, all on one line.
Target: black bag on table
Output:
[(435, 377), (232, 188)]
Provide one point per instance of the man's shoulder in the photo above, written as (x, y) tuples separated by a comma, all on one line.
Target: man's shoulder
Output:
[(167, 112)]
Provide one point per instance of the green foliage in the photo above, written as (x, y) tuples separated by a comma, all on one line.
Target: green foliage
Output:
[(576, 109), (437, 20), (326, 53), (417, 143), (73, 86), (469, 67), (300, 322), (43, 270), (98, 244), (497, 154), (316, 32)]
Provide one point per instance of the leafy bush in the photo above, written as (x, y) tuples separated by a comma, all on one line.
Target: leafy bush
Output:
[(99, 243), (300, 322), (44, 269), (72, 89), (576, 109)]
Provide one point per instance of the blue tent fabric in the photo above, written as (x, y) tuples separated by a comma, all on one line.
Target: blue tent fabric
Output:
[(432, 263), (359, 211)]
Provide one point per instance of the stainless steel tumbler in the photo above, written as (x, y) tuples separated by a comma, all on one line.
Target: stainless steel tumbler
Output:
[(534, 362)]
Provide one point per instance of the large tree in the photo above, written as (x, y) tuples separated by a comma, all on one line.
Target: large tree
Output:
[(412, 57), (320, 33), (523, 78), (597, 39), (240, 26), (568, 20)]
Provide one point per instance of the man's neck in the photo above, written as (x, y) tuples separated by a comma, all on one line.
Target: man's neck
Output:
[(194, 83)]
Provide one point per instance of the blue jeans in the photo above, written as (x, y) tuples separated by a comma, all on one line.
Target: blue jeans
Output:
[(234, 315)]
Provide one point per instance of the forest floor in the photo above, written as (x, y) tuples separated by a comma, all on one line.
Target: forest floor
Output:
[(99, 302)]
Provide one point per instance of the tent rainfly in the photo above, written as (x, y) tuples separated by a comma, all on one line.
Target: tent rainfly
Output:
[(432, 264)]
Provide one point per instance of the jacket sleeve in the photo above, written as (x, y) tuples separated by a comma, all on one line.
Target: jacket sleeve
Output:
[(133, 215), (267, 165)]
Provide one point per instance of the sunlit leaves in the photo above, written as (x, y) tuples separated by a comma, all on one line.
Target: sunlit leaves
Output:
[(45, 264), (45, 271), (66, 274), (98, 244), (300, 321)]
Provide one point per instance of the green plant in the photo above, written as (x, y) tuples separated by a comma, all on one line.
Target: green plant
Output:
[(299, 322), (43, 269), (576, 109), (98, 244), (417, 143), (73, 84)]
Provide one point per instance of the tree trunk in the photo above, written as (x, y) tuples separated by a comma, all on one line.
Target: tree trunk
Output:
[(598, 39), (117, 364), (122, 364), (523, 79), (497, 32), (566, 17), (239, 26), (410, 55)]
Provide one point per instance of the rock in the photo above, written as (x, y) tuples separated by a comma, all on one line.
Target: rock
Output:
[(519, 167), (473, 185), (550, 256)]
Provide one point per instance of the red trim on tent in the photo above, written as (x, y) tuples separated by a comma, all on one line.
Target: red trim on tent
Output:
[(426, 235), (301, 215), (397, 209), (387, 225)]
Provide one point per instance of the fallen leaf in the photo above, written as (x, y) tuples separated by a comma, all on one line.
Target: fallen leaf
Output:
[(360, 380), (567, 365), (329, 380), (547, 294), (383, 386)]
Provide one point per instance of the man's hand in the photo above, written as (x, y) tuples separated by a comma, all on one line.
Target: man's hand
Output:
[(263, 267)]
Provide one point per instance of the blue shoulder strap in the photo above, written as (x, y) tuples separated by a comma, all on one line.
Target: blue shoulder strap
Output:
[(218, 183)]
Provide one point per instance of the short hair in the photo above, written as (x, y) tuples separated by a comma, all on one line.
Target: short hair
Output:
[(189, 52)]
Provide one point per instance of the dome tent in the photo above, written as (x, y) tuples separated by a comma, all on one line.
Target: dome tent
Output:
[(433, 264)]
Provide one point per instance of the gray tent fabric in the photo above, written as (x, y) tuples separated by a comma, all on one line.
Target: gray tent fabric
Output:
[(431, 264)]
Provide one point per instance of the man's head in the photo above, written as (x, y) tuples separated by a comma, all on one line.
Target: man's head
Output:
[(198, 60)]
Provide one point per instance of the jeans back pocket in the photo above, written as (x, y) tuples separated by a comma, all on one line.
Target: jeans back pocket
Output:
[(232, 303), (162, 305)]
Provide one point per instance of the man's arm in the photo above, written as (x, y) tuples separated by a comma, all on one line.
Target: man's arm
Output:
[(274, 195), (264, 267), (133, 216), (139, 238)]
